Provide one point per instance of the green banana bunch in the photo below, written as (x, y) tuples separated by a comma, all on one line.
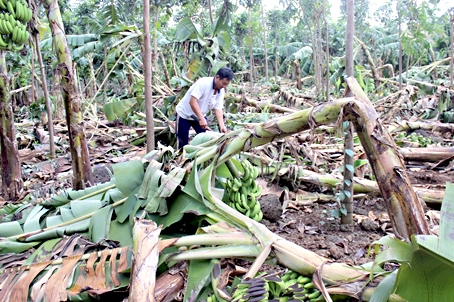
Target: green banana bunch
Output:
[(243, 192), (300, 287), (14, 15), (292, 286), (212, 298)]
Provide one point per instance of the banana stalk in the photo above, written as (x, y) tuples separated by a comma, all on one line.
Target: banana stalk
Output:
[(146, 258)]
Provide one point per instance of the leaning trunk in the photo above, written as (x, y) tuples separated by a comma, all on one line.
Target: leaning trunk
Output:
[(10, 166), (82, 174)]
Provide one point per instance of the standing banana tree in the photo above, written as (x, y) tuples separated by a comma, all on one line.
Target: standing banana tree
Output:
[(205, 53), (148, 75), (11, 173), (82, 174)]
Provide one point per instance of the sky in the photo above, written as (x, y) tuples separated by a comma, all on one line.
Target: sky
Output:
[(335, 4)]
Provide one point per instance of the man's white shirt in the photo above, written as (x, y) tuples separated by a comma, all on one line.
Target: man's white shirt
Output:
[(203, 91)]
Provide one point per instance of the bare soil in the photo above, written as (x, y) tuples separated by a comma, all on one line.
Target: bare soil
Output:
[(316, 227)]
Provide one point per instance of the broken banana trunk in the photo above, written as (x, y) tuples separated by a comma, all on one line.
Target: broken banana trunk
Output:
[(404, 208)]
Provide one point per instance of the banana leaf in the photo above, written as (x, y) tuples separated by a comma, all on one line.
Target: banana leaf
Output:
[(198, 274), (428, 276), (90, 47), (33, 220), (68, 195), (121, 232), (427, 262), (187, 30), (128, 176), (100, 224), (117, 109), (11, 228)]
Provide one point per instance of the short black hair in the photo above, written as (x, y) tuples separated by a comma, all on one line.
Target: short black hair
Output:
[(225, 73)]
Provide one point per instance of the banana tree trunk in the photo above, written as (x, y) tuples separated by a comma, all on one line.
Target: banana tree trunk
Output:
[(56, 93), (148, 75), (10, 166), (360, 185), (166, 71), (298, 74), (50, 120), (262, 105), (82, 174), (327, 68), (264, 43), (346, 196), (251, 57), (451, 64), (371, 63), (404, 208)]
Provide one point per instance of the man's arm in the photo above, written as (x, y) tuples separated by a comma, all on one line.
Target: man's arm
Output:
[(220, 117), (195, 107)]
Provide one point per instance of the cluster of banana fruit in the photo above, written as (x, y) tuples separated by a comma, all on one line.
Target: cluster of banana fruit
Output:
[(23, 78), (13, 19), (290, 287), (300, 288), (243, 192)]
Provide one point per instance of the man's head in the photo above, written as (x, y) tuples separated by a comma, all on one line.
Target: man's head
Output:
[(223, 78)]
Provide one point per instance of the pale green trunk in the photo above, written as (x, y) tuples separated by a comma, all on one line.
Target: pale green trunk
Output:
[(82, 174)]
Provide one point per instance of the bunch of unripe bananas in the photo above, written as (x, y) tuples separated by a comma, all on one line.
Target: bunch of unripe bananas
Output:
[(300, 287), (292, 286), (14, 16), (243, 192)]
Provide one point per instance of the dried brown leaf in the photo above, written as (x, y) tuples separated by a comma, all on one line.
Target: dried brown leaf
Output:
[(38, 288), (10, 282), (57, 291), (20, 290)]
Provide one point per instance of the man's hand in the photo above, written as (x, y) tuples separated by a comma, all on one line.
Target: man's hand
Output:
[(203, 123), (223, 129)]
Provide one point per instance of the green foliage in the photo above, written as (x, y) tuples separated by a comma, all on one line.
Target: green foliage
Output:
[(426, 263)]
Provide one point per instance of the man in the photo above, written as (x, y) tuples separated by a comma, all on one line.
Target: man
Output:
[(205, 94)]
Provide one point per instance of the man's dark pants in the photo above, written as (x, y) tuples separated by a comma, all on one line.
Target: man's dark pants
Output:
[(183, 126)]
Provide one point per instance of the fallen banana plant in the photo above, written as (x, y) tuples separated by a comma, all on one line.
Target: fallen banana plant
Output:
[(402, 203), (296, 173), (167, 193)]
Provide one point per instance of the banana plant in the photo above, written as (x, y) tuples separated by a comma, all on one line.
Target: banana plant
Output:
[(206, 53)]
